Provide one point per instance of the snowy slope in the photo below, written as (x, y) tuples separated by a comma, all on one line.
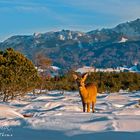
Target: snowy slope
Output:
[(59, 116), (123, 39)]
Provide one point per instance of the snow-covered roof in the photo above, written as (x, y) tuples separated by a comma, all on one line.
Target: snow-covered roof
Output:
[(85, 69), (55, 67)]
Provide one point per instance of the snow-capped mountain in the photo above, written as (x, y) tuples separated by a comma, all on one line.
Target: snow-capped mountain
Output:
[(69, 49), (123, 39), (129, 29), (60, 35)]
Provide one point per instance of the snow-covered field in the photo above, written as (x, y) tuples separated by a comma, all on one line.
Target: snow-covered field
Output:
[(60, 117)]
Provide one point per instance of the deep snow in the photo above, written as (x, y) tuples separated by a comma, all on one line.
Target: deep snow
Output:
[(59, 116)]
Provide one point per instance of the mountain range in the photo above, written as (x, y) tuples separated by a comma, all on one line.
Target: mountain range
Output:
[(68, 49)]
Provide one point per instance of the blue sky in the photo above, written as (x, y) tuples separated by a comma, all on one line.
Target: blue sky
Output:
[(29, 16)]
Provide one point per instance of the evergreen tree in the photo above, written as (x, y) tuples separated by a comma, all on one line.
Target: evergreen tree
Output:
[(17, 74)]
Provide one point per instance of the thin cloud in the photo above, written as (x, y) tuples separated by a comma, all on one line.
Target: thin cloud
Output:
[(7, 6), (125, 9), (32, 7)]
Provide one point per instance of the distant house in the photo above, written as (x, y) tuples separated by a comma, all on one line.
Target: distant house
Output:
[(107, 70), (86, 69), (51, 71), (130, 69)]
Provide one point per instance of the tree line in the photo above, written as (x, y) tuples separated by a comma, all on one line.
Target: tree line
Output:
[(19, 76), (105, 81)]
